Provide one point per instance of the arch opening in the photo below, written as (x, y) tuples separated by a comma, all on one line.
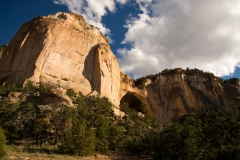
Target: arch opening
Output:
[(132, 101)]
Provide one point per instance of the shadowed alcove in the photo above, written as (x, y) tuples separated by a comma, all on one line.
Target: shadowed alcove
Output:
[(132, 101)]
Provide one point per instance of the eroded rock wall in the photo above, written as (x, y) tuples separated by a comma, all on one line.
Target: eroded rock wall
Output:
[(62, 49), (53, 48), (173, 95), (107, 73)]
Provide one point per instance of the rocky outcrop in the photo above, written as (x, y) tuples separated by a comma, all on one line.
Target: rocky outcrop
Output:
[(127, 86), (132, 95), (63, 50), (51, 48), (172, 95)]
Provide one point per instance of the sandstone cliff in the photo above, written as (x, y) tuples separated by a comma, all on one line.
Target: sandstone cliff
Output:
[(62, 49), (51, 48), (174, 93)]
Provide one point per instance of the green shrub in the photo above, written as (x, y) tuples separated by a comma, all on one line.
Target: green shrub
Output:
[(71, 93), (2, 144)]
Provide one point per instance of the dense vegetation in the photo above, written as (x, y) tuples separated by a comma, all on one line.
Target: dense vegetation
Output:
[(188, 72), (92, 127), (89, 128), (212, 136)]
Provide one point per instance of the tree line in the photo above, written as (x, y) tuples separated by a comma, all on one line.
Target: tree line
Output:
[(165, 72), (89, 128), (92, 127)]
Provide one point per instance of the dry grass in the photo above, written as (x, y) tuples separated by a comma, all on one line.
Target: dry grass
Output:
[(19, 152)]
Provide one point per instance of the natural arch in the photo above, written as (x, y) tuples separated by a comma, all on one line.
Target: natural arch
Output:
[(132, 101)]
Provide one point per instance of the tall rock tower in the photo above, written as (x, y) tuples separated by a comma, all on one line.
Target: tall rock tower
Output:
[(62, 48)]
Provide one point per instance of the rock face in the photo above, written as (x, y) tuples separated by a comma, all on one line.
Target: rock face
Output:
[(2, 47), (62, 49), (106, 74), (54, 48), (172, 95)]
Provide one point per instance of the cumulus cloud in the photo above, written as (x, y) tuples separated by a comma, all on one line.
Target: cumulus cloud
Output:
[(122, 1), (92, 10), (188, 33)]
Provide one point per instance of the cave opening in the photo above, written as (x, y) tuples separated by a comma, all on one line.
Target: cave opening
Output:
[(132, 101)]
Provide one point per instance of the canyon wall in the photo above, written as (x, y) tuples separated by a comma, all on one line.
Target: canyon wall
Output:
[(172, 95), (62, 49)]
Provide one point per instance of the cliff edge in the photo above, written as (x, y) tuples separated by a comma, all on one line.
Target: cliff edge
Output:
[(63, 49)]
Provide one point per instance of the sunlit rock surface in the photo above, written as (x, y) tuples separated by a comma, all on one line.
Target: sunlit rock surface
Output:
[(63, 50)]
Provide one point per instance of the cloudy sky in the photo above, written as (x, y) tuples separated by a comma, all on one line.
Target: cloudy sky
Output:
[(149, 36)]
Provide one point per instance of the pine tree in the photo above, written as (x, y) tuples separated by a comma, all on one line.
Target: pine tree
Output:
[(79, 140)]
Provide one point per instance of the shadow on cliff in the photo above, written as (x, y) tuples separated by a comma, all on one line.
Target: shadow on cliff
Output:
[(89, 66), (132, 101), (18, 69), (4, 79), (19, 58), (203, 99)]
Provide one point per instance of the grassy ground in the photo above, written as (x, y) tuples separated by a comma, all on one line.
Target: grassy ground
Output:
[(20, 152)]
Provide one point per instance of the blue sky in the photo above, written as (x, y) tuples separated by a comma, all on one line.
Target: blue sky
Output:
[(148, 36)]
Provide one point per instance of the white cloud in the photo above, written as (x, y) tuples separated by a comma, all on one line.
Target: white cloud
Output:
[(188, 33), (92, 10), (122, 1)]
